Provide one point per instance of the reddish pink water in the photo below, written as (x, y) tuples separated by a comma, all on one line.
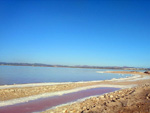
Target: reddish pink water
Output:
[(46, 103)]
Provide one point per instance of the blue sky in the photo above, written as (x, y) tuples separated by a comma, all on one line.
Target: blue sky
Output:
[(76, 32)]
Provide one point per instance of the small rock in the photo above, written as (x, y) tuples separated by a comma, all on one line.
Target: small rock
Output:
[(120, 91), (102, 96), (64, 111), (147, 72), (111, 96), (84, 108), (148, 96)]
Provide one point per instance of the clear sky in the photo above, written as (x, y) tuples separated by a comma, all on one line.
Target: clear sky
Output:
[(76, 32)]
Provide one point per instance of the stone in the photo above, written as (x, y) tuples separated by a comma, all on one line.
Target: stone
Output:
[(148, 96), (147, 72), (111, 96), (102, 96), (64, 111)]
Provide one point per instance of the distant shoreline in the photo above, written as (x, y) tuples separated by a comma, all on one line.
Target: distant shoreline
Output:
[(66, 66)]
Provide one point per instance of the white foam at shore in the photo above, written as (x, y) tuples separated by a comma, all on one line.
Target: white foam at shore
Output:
[(26, 99)]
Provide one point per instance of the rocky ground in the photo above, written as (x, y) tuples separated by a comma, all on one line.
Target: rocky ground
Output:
[(132, 100)]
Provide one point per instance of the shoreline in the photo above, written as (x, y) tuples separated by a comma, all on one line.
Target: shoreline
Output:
[(108, 105), (62, 66), (49, 102), (133, 76), (52, 89), (27, 90), (130, 100), (75, 102), (45, 95)]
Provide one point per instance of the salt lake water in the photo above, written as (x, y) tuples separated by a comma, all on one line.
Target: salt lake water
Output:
[(27, 74)]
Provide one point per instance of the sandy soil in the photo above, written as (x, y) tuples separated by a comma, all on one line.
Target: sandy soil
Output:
[(19, 92)]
